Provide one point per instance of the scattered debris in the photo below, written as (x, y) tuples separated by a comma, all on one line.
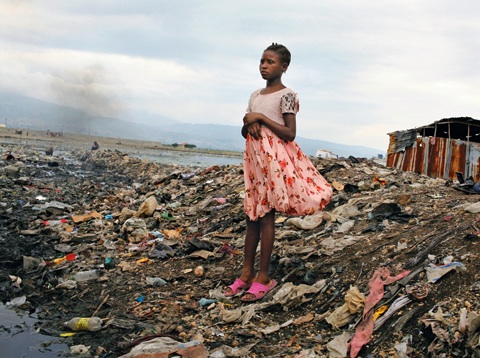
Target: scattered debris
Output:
[(159, 243)]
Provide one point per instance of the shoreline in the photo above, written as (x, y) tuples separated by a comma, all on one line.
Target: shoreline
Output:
[(85, 141), (149, 150)]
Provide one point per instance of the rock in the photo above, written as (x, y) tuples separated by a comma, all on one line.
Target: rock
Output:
[(147, 208), (199, 271)]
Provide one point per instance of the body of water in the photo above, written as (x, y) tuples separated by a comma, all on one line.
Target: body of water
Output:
[(155, 155), (18, 337), (186, 158)]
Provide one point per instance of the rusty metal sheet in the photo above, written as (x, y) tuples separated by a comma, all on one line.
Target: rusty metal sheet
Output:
[(420, 154), (437, 158), (391, 151), (458, 158), (474, 161)]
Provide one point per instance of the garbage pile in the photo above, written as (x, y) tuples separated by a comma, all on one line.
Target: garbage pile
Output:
[(123, 257)]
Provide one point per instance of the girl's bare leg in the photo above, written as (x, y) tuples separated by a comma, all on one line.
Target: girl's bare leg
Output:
[(252, 238), (267, 228)]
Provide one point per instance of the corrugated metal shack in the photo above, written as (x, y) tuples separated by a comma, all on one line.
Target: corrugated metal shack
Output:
[(438, 150)]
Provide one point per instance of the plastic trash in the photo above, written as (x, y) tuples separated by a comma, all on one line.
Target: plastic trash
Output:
[(53, 223), (309, 222), (207, 301), (155, 281), (84, 324), (87, 275), (167, 215), (16, 281), (161, 251), (18, 301), (68, 257), (434, 273), (390, 211), (109, 263), (168, 347), (80, 349), (156, 234)]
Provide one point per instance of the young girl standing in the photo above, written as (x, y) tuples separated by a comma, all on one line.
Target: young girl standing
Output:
[(278, 175)]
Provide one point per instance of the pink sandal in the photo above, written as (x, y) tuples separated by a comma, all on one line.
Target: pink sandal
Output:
[(258, 291), (238, 288)]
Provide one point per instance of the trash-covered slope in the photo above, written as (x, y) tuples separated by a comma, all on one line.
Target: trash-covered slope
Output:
[(390, 268)]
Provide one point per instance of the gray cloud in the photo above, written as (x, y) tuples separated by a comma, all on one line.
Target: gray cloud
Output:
[(359, 68)]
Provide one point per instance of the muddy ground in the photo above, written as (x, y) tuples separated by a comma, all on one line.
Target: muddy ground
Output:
[(192, 238)]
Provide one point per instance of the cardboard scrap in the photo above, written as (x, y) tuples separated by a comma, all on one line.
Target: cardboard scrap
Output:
[(204, 254), (85, 217)]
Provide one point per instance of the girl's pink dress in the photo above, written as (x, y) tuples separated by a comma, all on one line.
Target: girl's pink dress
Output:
[(278, 175)]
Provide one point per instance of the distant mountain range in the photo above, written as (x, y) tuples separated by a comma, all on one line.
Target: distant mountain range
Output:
[(30, 113)]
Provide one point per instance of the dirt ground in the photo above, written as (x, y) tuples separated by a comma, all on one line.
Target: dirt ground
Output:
[(379, 219)]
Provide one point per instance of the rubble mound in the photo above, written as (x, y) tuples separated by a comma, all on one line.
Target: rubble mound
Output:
[(390, 268)]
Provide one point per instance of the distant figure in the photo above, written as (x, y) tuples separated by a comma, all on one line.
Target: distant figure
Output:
[(95, 146), (9, 156), (49, 151)]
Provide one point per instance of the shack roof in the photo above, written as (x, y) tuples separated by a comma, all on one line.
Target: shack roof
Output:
[(464, 128)]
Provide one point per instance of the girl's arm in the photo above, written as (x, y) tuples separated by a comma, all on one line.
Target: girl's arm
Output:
[(286, 132), (244, 131), (253, 129)]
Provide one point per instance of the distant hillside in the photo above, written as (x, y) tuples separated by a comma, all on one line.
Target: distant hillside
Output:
[(25, 112), (217, 136)]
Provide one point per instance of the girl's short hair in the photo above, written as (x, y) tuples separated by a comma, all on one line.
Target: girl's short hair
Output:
[(281, 51)]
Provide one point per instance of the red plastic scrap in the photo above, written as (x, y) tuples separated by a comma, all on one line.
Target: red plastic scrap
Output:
[(227, 248), (210, 169), (364, 331)]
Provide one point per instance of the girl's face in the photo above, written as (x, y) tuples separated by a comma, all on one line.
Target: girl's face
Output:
[(271, 66)]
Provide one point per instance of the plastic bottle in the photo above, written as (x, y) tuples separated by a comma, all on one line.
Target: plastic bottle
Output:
[(87, 275), (68, 257), (84, 324)]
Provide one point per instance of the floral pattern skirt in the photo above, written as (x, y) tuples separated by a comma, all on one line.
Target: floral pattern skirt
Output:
[(278, 175)]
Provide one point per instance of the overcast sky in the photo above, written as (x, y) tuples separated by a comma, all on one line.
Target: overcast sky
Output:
[(361, 68)]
